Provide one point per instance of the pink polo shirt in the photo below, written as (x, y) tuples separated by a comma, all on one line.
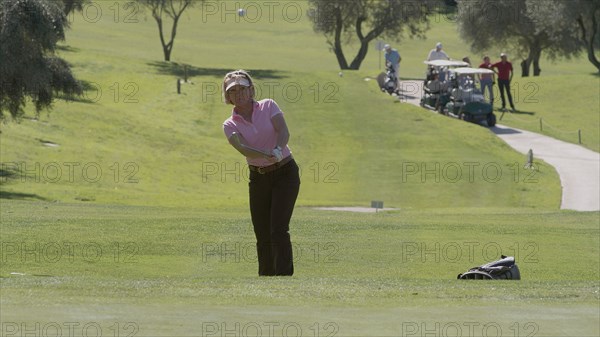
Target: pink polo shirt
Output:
[(259, 134)]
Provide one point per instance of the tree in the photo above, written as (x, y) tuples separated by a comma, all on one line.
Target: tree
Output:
[(29, 31), (72, 6), (510, 24), (172, 9), (587, 13), (579, 18), (342, 20)]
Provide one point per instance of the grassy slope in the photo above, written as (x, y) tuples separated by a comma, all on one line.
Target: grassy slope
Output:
[(353, 269), (353, 143), (565, 96)]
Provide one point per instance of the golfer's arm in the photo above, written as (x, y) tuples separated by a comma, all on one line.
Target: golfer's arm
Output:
[(281, 129), (241, 148)]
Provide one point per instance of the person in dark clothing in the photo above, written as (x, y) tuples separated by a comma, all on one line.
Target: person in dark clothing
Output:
[(505, 74), (258, 131)]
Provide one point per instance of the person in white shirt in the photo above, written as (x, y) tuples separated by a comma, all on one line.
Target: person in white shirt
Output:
[(438, 54)]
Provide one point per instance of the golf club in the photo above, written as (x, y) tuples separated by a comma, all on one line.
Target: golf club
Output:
[(235, 139)]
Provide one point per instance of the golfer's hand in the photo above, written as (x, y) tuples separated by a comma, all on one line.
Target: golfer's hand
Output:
[(272, 159), (277, 153)]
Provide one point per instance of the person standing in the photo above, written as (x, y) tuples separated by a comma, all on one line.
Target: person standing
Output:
[(257, 129), (466, 81), (487, 80), (438, 54), (393, 58), (505, 74)]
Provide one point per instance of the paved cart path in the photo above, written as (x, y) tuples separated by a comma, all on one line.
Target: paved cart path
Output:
[(578, 167)]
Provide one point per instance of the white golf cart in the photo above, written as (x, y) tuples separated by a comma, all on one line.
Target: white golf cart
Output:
[(466, 100), (436, 85)]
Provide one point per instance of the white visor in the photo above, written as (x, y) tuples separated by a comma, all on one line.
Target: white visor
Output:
[(237, 81)]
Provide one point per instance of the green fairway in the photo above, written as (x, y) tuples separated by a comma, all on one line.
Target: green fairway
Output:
[(366, 274), (127, 210)]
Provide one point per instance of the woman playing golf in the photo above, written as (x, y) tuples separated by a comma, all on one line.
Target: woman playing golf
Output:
[(258, 130)]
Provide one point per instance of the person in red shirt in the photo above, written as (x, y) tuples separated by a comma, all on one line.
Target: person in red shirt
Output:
[(487, 80), (505, 74)]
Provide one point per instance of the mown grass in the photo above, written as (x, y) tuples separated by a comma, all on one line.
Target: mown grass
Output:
[(127, 260), (566, 106), (161, 236)]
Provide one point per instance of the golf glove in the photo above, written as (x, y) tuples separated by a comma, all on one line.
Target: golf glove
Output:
[(277, 153)]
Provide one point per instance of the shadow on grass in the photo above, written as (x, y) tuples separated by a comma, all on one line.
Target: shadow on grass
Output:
[(176, 69), (19, 196), (518, 112), (67, 48), (90, 93), (8, 172)]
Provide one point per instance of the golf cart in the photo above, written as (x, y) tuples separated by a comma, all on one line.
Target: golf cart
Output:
[(436, 87), (466, 101)]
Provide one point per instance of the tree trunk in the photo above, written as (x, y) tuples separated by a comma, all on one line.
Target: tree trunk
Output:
[(360, 56), (589, 43), (337, 47), (592, 56), (536, 66), (157, 12), (173, 34), (525, 64), (167, 52), (339, 54), (167, 47), (364, 42), (159, 23), (535, 53)]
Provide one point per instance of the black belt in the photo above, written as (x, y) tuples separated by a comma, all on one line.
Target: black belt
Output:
[(271, 168)]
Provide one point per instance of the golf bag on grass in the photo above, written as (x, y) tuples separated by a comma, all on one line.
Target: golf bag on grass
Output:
[(503, 269)]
